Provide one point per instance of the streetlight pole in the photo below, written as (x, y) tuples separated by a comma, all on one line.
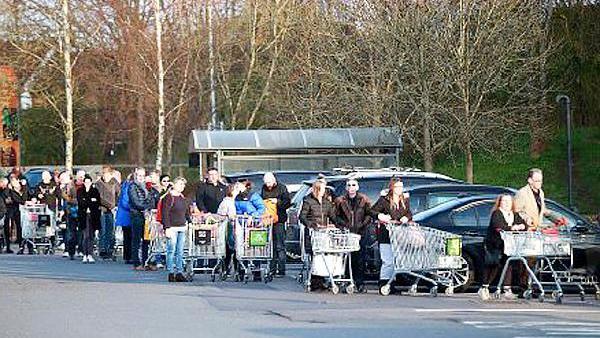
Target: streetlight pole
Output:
[(567, 102)]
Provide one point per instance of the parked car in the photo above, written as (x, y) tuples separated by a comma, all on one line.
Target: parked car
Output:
[(34, 176), (470, 218), (427, 197), (371, 182)]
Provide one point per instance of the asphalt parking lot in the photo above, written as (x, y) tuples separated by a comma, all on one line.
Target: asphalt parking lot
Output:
[(53, 297)]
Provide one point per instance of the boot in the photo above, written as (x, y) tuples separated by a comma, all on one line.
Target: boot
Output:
[(171, 278), (180, 278)]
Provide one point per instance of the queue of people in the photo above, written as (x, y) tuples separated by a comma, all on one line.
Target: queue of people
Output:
[(88, 206)]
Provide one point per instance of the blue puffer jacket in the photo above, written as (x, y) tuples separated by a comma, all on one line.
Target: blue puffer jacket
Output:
[(123, 219), (250, 204)]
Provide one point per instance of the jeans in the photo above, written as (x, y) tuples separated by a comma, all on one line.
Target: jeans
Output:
[(358, 263), (387, 262), (88, 237), (278, 264), (72, 236), (107, 235), (126, 243), (175, 242), (137, 232)]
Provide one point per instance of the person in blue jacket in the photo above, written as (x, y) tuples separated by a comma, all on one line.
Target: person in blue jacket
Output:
[(248, 202), (123, 219)]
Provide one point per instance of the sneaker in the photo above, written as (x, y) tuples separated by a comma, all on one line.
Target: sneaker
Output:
[(79, 254), (509, 295), (84, 259), (91, 259), (65, 254), (61, 247), (484, 293), (160, 266), (139, 268), (151, 267)]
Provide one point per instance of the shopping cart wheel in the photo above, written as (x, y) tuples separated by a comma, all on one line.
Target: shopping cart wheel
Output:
[(497, 294), (335, 289), (213, 278), (597, 295), (434, 291), (449, 290), (582, 296), (307, 288), (527, 294), (299, 278), (350, 289), (557, 296), (385, 290), (413, 290)]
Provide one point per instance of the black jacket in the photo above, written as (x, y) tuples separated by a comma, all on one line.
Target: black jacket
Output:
[(314, 213), (383, 206), (354, 216), (14, 199), (48, 194), (282, 195), (209, 196), (88, 201), (140, 198), (2, 204), (493, 240)]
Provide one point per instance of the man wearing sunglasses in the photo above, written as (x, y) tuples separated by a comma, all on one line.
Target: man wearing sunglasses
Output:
[(353, 210)]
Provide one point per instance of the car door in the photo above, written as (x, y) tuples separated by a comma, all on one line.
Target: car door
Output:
[(465, 222)]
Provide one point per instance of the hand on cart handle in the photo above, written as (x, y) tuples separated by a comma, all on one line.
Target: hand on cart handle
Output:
[(518, 227)]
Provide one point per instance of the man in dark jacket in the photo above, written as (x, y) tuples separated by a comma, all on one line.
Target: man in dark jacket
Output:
[(354, 213), (211, 193), (277, 194), (140, 200)]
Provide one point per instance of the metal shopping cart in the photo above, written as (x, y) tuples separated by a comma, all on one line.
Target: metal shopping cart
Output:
[(519, 245), (156, 236), (254, 246), (38, 226), (206, 242), (331, 249), (427, 254), (560, 249)]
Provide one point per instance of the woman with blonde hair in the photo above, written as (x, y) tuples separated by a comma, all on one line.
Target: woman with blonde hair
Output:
[(394, 206), (504, 218)]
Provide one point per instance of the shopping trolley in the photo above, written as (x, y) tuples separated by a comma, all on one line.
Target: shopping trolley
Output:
[(521, 244), (331, 249), (205, 243), (428, 254), (254, 246), (156, 235), (38, 226), (560, 252)]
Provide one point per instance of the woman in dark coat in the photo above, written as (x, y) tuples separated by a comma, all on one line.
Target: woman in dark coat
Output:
[(15, 195), (88, 212), (318, 212), (394, 207), (504, 218)]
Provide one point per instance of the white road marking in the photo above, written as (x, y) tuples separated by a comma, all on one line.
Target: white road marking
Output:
[(562, 311)]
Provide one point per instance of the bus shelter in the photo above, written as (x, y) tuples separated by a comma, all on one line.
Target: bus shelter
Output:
[(294, 149)]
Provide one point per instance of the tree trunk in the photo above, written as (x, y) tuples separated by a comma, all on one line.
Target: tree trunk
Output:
[(468, 163), (427, 149), (140, 133), (161, 86), (68, 128)]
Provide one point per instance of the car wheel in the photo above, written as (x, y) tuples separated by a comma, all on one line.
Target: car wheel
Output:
[(472, 274)]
